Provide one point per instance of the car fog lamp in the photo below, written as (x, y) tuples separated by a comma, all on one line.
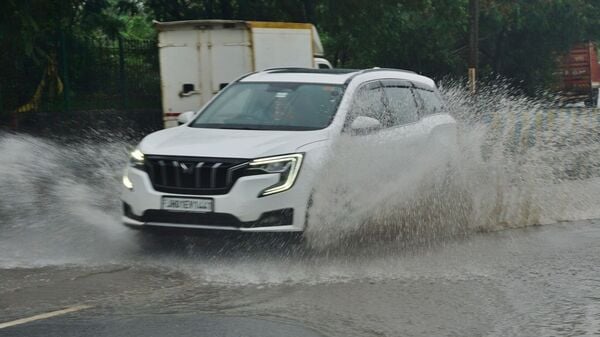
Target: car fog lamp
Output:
[(127, 182)]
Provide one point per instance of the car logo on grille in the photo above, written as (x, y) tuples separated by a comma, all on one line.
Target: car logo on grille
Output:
[(186, 168)]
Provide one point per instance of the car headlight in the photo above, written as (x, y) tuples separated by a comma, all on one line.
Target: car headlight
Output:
[(287, 166), (136, 159)]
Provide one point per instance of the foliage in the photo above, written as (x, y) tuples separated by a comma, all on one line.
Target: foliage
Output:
[(520, 39), (32, 33), (267, 10)]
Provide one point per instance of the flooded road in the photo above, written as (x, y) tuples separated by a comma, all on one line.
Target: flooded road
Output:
[(538, 281), (494, 242), (67, 265)]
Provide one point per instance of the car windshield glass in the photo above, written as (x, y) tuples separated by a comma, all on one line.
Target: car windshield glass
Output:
[(272, 106)]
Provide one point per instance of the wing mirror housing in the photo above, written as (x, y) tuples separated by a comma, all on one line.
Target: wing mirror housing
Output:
[(364, 124), (185, 117)]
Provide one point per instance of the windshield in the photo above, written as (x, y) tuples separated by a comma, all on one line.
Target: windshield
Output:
[(272, 106)]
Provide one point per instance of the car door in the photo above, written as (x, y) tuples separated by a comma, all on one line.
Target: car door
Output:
[(402, 109), (368, 101), (433, 113)]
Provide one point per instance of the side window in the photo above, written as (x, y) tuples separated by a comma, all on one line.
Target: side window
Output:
[(430, 101), (369, 101), (401, 103)]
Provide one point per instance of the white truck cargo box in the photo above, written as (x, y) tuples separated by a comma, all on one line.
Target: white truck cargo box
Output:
[(198, 58)]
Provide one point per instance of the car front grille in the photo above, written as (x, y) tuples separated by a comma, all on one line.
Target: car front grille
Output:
[(191, 175)]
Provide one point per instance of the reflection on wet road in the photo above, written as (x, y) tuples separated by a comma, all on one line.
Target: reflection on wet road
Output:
[(452, 256), (538, 281)]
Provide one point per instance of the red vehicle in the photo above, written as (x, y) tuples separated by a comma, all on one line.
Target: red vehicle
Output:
[(580, 75)]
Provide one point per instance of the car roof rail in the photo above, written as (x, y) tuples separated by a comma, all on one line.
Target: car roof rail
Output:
[(334, 71), (354, 72), (244, 76), (386, 69), (284, 69), (364, 71)]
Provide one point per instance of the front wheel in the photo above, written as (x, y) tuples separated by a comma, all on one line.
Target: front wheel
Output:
[(153, 240)]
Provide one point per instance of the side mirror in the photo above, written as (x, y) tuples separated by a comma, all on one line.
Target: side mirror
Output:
[(185, 117), (364, 124)]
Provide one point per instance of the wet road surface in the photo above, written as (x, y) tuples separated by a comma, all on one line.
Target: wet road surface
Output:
[(537, 281)]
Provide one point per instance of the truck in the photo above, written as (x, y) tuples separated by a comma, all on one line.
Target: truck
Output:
[(580, 75), (198, 58)]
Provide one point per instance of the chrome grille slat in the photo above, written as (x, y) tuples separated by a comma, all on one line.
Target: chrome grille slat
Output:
[(198, 174), (213, 175), (151, 171), (163, 171), (177, 171), (231, 171)]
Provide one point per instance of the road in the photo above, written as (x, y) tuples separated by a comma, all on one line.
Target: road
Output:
[(536, 281)]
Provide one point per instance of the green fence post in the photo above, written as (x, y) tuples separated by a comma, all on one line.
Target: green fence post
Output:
[(2, 111), (65, 71), (122, 78), (5, 113)]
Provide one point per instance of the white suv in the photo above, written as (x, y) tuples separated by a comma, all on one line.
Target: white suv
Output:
[(249, 159)]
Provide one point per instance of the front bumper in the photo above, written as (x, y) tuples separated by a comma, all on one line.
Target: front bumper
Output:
[(241, 209)]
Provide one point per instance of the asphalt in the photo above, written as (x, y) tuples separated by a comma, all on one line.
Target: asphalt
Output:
[(187, 325), (537, 281)]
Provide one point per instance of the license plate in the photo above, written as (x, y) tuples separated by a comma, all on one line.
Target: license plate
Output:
[(187, 204)]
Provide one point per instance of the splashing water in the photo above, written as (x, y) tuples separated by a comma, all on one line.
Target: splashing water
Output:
[(512, 163), (59, 198)]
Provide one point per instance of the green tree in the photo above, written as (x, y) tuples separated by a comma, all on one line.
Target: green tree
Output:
[(520, 39), (271, 10), (414, 35)]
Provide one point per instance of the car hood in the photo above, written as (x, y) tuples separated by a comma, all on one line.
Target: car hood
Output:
[(227, 143)]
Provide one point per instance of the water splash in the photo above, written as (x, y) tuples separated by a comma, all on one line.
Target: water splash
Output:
[(514, 163), (59, 200)]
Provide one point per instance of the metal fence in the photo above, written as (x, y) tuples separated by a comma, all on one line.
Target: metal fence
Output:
[(82, 76), (569, 136)]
